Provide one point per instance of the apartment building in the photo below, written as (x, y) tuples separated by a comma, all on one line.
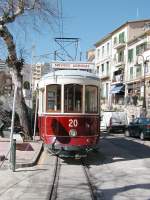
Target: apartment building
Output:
[(116, 56), (2, 65), (90, 55), (36, 74), (103, 61), (138, 67), (38, 71)]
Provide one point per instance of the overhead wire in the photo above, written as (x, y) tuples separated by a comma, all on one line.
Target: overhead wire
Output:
[(61, 41), (60, 22)]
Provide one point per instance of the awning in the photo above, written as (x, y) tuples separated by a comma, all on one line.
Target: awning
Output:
[(117, 89)]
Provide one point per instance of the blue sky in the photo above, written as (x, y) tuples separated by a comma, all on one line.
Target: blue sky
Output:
[(88, 20), (92, 19)]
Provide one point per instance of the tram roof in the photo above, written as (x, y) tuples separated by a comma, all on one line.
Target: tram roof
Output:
[(71, 73)]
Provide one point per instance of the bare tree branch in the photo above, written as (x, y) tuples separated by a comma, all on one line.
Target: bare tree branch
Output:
[(8, 38), (14, 8), (11, 11)]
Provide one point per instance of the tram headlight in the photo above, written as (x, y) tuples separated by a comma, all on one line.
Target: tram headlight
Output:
[(73, 133)]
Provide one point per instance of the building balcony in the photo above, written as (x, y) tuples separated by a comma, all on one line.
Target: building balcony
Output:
[(119, 45), (118, 79), (138, 76), (119, 63), (104, 76)]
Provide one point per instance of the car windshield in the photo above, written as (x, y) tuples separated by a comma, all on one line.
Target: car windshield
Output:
[(144, 120)]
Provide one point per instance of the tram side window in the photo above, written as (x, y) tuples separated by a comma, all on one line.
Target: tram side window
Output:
[(91, 99), (73, 98), (53, 96), (42, 99)]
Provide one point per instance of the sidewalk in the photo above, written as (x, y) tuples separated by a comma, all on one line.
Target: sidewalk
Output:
[(27, 153)]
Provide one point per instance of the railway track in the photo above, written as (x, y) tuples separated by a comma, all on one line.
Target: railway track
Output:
[(95, 195), (55, 180)]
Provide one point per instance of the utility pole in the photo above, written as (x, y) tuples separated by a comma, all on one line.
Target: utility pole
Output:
[(144, 100)]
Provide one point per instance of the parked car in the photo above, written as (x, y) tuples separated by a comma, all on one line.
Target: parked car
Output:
[(113, 121), (140, 127)]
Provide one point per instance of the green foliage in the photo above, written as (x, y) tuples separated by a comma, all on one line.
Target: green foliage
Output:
[(141, 98), (26, 85)]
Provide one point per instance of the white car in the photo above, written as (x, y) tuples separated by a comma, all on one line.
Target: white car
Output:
[(113, 121)]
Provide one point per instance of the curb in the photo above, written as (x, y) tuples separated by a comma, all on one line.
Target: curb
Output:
[(34, 160)]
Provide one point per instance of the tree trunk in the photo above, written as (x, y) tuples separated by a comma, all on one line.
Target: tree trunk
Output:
[(22, 109), (16, 66)]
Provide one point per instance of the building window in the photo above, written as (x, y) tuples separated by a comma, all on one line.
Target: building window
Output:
[(146, 68), (91, 99), (108, 48), (53, 98), (98, 70), (141, 48), (115, 58), (115, 40), (138, 70), (121, 56), (106, 90), (107, 67), (102, 50), (131, 73), (102, 68), (121, 38), (130, 55), (98, 53), (73, 98), (102, 91)]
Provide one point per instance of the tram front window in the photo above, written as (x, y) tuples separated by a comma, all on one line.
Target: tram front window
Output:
[(73, 98), (53, 96), (91, 99)]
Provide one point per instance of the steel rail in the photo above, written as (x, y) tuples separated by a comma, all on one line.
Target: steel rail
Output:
[(92, 187), (53, 190)]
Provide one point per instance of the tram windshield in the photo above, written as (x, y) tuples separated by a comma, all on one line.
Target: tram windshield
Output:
[(73, 98), (53, 98), (91, 100)]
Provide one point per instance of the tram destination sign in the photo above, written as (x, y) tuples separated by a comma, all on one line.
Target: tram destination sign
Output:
[(72, 65)]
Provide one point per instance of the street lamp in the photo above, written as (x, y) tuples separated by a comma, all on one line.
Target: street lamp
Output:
[(144, 63)]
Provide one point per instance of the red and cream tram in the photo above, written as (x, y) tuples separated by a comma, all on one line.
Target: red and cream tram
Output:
[(68, 116)]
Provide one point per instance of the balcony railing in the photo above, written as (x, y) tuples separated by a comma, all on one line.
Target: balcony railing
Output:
[(105, 75), (119, 45), (135, 76), (118, 78), (118, 63)]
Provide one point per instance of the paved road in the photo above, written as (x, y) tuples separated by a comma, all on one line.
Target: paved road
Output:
[(120, 171)]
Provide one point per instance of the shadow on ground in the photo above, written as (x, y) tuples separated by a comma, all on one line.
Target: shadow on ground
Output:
[(114, 149)]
